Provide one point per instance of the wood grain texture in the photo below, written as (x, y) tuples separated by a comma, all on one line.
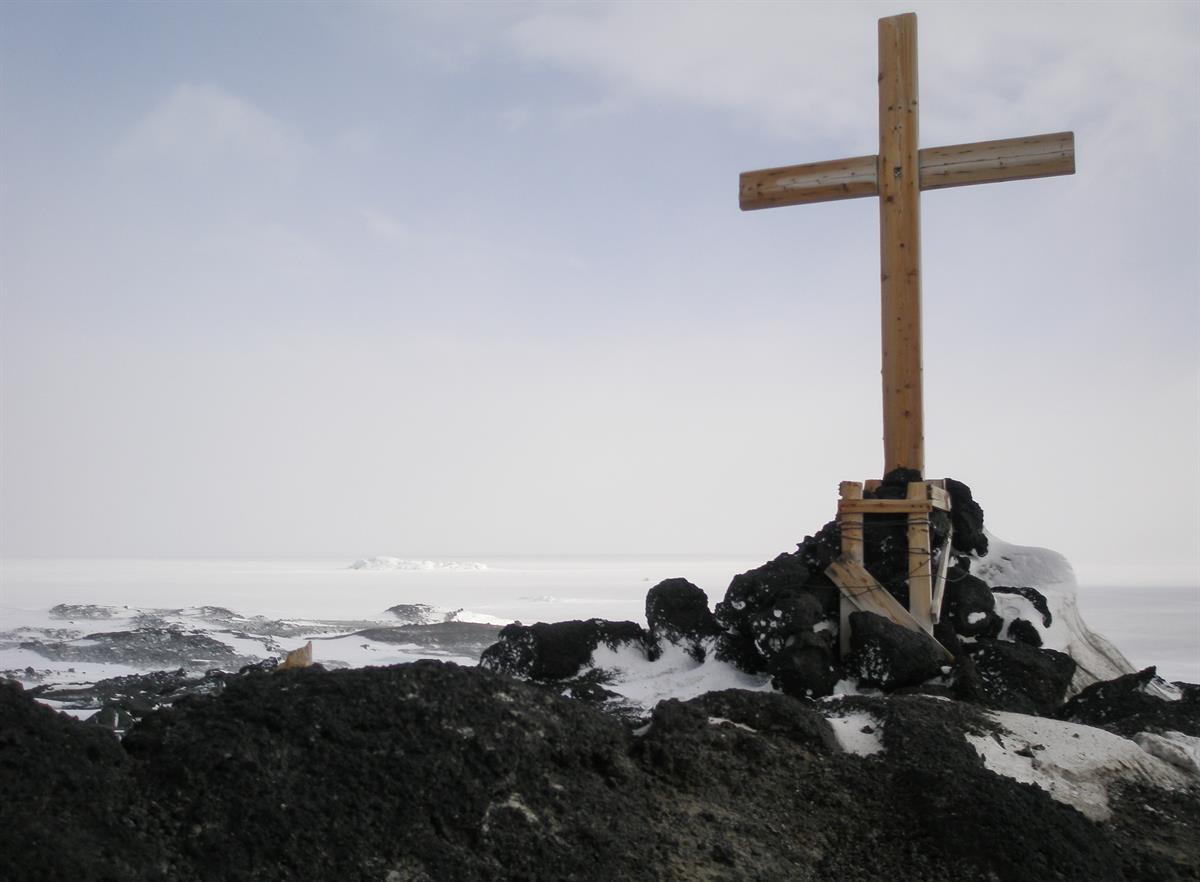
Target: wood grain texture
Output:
[(939, 497), (883, 506), (920, 575), (939, 581), (811, 182), (851, 523), (860, 591), (956, 165), (900, 245), (990, 162)]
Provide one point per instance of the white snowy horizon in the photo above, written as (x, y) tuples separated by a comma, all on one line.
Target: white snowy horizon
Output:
[(1150, 624)]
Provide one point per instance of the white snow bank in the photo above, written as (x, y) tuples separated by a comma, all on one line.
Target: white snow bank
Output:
[(357, 651), (1017, 566), (858, 732), (1160, 688), (675, 674), (1073, 763), (1181, 751), (396, 563)]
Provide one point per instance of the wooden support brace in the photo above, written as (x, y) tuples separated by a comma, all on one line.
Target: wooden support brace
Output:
[(850, 525), (859, 589), (939, 582), (861, 592), (920, 581), (884, 506)]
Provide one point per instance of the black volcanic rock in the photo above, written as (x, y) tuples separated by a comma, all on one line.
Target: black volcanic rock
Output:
[(777, 624), (677, 610), (767, 606), (1017, 677), (449, 637), (967, 518), (1134, 703), (808, 667), (81, 611), (968, 603), (144, 647), (557, 651), (887, 656), (1024, 631)]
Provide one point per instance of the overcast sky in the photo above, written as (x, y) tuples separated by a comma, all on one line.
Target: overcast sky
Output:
[(472, 278)]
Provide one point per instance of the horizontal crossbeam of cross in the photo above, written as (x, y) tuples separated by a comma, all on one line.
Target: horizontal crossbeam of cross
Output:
[(984, 162)]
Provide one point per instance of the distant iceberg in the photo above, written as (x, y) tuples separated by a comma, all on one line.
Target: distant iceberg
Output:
[(396, 563)]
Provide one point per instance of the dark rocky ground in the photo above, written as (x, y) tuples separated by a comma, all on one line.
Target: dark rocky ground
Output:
[(527, 768), (431, 771)]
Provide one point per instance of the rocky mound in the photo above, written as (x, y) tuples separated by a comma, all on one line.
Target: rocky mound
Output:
[(431, 771), (1001, 646)]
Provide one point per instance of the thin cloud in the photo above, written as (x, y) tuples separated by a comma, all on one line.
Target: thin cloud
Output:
[(385, 226), (807, 71), (202, 124)]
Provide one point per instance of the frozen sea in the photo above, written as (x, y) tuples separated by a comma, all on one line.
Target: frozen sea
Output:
[(1149, 624)]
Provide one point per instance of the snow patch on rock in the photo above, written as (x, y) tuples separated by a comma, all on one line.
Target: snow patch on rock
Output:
[(674, 674), (1073, 763), (858, 732), (1181, 751), (1050, 573)]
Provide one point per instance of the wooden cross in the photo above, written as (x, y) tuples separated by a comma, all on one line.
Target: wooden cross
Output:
[(897, 175)]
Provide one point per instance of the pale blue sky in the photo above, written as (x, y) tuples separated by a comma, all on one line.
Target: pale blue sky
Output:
[(430, 279)]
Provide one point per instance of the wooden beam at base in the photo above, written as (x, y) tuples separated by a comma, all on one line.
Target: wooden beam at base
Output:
[(981, 162), (883, 506), (861, 592)]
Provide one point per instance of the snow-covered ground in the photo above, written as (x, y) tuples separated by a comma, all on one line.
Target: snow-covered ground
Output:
[(1076, 764)]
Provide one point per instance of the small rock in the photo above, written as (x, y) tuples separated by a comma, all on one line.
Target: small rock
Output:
[(970, 606), (806, 669), (1024, 631), (677, 611), (559, 650), (967, 517)]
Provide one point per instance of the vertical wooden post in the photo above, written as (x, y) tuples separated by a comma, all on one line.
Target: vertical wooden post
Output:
[(851, 523), (851, 526), (920, 569), (900, 244)]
